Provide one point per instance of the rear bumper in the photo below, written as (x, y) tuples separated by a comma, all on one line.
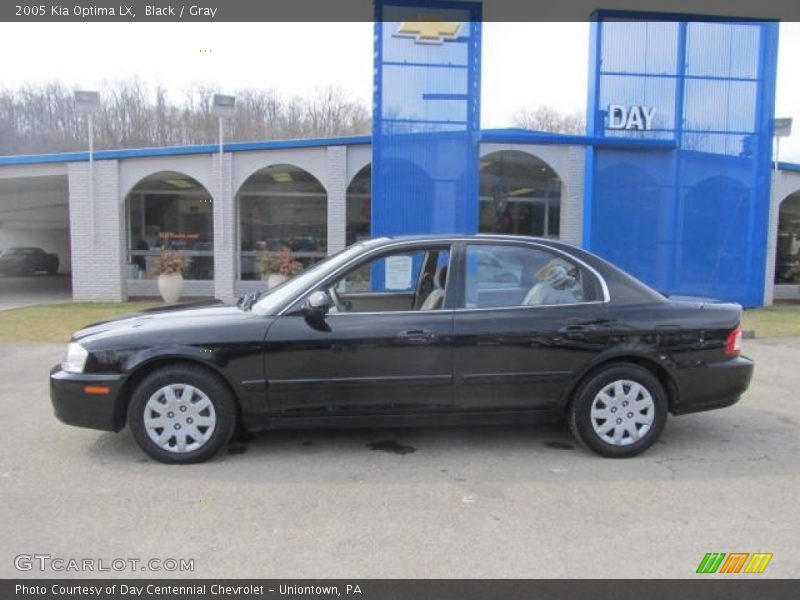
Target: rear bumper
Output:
[(712, 385), (95, 408)]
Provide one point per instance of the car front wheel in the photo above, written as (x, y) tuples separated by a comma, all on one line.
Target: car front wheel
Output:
[(182, 414), (619, 412)]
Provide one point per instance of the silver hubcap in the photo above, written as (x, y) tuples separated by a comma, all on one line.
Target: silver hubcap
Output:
[(179, 418), (622, 412)]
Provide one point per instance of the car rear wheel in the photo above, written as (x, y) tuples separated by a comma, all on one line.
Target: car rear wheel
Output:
[(619, 412), (182, 414)]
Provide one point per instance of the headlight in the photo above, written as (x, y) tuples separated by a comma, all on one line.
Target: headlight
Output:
[(75, 358)]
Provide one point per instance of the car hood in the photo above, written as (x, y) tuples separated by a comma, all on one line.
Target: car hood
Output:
[(187, 316)]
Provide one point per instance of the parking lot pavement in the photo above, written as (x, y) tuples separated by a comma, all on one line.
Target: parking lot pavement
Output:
[(16, 292), (483, 502)]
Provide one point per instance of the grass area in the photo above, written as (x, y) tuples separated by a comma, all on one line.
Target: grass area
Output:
[(775, 320), (56, 322)]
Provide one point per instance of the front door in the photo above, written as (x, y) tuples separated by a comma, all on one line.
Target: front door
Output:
[(384, 347)]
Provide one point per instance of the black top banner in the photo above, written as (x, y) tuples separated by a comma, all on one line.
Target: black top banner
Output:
[(363, 10)]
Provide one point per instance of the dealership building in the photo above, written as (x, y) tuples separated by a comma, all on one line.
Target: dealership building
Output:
[(674, 180)]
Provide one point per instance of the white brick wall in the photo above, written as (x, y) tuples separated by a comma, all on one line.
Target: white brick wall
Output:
[(97, 232), (572, 196), (784, 184), (337, 197), (98, 259), (772, 238), (225, 244)]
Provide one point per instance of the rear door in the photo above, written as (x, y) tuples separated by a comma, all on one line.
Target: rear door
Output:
[(527, 319)]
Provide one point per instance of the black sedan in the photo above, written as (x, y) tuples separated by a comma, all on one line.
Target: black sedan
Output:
[(411, 331), (27, 261)]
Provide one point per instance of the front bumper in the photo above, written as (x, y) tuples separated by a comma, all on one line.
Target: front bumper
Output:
[(80, 399), (712, 385)]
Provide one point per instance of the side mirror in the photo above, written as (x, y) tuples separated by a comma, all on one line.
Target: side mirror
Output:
[(317, 305)]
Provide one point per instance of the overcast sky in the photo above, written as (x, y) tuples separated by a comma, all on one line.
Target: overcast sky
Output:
[(524, 64)]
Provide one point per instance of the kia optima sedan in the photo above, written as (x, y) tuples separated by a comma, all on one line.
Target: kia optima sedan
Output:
[(411, 331)]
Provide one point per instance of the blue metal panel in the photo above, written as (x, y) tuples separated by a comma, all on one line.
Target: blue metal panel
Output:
[(692, 221), (426, 118)]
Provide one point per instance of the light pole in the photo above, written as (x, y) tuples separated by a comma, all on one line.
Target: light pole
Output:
[(782, 128), (222, 107), (88, 103)]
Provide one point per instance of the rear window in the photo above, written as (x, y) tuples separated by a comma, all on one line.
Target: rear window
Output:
[(623, 287)]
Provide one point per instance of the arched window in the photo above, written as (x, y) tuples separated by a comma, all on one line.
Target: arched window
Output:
[(359, 206), (787, 261), (281, 206), (519, 194), (169, 210)]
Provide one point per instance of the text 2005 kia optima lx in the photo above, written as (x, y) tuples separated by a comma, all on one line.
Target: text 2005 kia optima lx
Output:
[(411, 331)]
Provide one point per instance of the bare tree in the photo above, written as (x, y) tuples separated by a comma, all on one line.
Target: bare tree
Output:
[(43, 118), (547, 118)]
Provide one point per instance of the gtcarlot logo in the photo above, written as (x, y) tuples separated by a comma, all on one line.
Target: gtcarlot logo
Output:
[(60, 564)]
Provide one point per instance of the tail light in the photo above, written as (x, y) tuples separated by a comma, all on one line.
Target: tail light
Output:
[(734, 344)]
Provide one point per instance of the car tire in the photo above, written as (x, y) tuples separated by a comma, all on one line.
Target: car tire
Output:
[(182, 414), (619, 411)]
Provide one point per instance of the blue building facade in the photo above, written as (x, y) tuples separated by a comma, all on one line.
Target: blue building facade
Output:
[(426, 116), (679, 131), (693, 218)]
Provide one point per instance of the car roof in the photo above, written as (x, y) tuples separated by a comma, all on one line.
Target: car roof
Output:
[(500, 237)]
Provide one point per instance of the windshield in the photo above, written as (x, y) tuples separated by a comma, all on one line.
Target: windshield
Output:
[(275, 298)]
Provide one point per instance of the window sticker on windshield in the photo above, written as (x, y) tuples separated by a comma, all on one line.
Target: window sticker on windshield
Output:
[(398, 272)]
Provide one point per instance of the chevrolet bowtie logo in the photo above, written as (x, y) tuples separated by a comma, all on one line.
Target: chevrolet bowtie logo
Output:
[(429, 30)]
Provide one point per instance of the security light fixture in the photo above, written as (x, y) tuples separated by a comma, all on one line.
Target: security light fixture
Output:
[(783, 127), (86, 102), (223, 106)]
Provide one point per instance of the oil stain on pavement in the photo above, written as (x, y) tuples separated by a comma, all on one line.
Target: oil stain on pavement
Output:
[(559, 445), (391, 446)]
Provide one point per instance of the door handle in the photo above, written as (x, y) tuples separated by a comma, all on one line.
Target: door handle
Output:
[(416, 336), (578, 331)]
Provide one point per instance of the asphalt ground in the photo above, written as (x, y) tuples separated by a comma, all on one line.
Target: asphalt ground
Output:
[(16, 292), (491, 502)]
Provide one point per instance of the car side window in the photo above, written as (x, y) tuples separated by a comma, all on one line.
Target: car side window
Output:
[(398, 281), (507, 276)]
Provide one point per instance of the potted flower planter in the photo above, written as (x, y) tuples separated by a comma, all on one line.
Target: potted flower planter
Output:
[(170, 268), (278, 267), (170, 286), (273, 279)]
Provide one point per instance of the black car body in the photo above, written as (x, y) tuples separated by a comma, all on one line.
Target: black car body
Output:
[(27, 261), (413, 331)]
